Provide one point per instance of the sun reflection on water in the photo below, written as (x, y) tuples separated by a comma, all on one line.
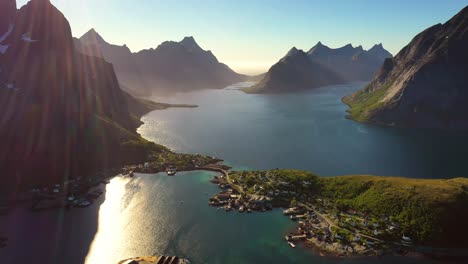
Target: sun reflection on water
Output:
[(109, 234)]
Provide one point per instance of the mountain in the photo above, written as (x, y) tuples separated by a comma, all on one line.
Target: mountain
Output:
[(294, 72), (425, 85), (7, 15), (171, 67), (62, 113), (321, 66)]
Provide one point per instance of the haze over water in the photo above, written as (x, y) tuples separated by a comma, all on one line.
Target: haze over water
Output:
[(303, 131), (161, 215)]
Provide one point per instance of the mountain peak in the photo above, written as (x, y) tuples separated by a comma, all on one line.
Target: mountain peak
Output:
[(292, 51), (317, 48), (91, 37), (348, 46), (377, 46), (380, 51), (189, 42)]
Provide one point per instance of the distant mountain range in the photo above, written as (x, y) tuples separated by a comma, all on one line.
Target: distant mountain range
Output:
[(425, 85), (171, 67), (321, 66), (62, 113)]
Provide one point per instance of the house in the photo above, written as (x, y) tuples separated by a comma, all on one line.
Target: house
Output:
[(351, 211), (406, 239), (224, 196), (339, 237), (395, 224)]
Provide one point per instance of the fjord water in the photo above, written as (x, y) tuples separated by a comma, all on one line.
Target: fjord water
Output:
[(160, 215), (302, 131), (157, 214)]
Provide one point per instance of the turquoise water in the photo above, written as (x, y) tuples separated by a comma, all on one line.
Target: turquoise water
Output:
[(161, 215), (158, 215), (304, 131)]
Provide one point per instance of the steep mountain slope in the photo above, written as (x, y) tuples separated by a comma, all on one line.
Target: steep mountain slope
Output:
[(62, 114), (425, 85), (171, 67), (7, 20), (7, 15), (322, 66)]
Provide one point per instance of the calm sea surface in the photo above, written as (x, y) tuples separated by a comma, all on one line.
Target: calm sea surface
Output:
[(304, 131), (161, 215)]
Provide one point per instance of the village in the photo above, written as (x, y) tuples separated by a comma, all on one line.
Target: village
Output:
[(81, 192), (320, 224)]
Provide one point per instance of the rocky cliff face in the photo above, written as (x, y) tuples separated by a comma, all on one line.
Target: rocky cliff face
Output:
[(425, 85), (171, 67), (62, 113), (321, 66), (7, 15)]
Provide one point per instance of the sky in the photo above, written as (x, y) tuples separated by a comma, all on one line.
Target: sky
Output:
[(251, 35)]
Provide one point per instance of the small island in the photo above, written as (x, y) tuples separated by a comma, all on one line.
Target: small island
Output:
[(356, 215)]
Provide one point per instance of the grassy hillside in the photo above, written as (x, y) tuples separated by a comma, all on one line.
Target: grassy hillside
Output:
[(431, 211), (364, 103)]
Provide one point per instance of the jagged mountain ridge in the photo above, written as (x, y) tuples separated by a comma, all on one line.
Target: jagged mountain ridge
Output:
[(171, 67), (425, 85), (320, 66)]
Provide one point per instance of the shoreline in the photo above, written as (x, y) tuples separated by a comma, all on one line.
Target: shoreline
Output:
[(316, 230), (324, 251)]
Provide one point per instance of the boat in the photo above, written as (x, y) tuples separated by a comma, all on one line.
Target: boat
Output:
[(292, 244), (131, 174), (228, 208), (171, 171), (241, 209), (249, 210)]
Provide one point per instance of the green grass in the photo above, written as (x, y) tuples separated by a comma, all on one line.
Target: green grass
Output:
[(430, 211), (364, 103)]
